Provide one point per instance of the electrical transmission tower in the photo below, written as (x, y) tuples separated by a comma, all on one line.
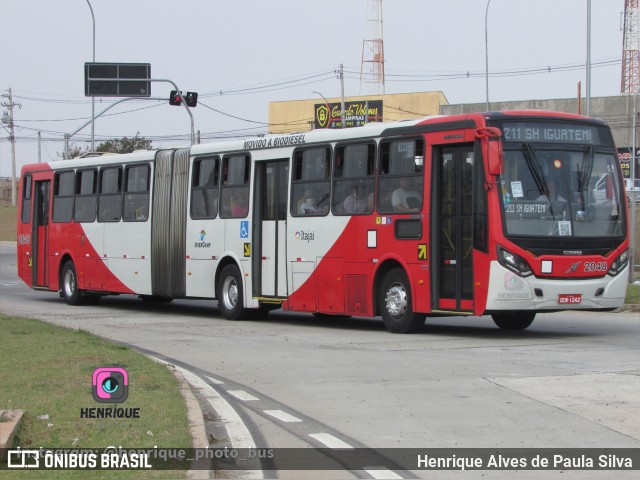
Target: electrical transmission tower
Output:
[(372, 67), (631, 50)]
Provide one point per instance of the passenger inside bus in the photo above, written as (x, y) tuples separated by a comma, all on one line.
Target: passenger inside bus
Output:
[(405, 200), (141, 213), (357, 202), (239, 204), (557, 205), (309, 206)]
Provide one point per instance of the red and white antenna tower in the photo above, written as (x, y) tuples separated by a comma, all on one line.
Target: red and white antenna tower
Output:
[(631, 49), (372, 67)]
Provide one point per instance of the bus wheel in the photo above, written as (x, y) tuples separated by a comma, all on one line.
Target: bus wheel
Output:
[(513, 320), (395, 304), (230, 294), (70, 291)]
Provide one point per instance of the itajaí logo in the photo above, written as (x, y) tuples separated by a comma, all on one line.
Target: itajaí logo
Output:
[(202, 243), (305, 236)]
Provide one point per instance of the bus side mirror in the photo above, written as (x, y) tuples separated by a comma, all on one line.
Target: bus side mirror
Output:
[(490, 137), (496, 156)]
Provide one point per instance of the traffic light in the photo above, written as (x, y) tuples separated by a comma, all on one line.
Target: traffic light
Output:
[(175, 98), (191, 99)]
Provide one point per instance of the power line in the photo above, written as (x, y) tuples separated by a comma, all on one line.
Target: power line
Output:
[(86, 118), (433, 76)]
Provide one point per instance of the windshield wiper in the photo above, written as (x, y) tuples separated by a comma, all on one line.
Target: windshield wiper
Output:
[(538, 176), (585, 174), (534, 168)]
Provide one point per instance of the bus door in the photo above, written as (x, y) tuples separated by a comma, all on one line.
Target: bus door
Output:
[(269, 260), (39, 242), (452, 285)]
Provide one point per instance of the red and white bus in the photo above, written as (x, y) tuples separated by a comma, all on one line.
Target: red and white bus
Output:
[(507, 214)]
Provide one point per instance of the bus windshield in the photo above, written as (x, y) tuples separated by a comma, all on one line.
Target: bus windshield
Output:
[(560, 190)]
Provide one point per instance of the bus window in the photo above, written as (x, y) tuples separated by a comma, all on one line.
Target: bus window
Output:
[(86, 200), (26, 199), (204, 188), (136, 194), (110, 196), (234, 195), (353, 179), (63, 188), (311, 184), (401, 183)]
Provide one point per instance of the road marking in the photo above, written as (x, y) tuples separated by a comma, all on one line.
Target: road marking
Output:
[(282, 415), (239, 435), (214, 381), (381, 473), (329, 440), (242, 395)]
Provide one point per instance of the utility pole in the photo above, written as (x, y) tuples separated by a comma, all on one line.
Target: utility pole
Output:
[(588, 104), (341, 77), (93, 99), (486, 54), (7, 118)]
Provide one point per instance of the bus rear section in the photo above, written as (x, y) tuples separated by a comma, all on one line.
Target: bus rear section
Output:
[(83, 227)]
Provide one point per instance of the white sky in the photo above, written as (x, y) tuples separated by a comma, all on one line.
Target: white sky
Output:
[(218, 46)]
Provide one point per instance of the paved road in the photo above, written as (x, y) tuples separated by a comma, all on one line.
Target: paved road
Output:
[(570, 380)]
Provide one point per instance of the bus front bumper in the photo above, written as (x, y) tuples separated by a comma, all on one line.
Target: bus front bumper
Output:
[(508, 291)]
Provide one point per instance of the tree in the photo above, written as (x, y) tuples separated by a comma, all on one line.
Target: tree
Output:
[(75, 151), (125, 144)]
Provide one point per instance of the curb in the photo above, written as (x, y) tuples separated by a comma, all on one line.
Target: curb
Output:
[(10, 421), (197, 427)]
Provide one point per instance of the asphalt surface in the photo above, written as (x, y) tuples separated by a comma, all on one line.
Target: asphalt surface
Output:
[(572, 380)]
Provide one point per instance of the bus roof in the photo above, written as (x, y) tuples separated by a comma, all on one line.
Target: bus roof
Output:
[(288, 140)]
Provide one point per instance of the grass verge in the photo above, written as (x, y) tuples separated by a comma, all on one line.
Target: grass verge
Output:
[(47, 371), (633, 294), (7, 222)]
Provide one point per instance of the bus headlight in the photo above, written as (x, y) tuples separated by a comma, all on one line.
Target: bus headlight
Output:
[(514, 262), (619, 263)]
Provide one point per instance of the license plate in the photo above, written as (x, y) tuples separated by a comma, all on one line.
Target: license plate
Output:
[(570, 299)]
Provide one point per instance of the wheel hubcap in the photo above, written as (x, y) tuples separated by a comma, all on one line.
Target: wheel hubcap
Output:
[(69, 283), (230, 293), (396, 300)]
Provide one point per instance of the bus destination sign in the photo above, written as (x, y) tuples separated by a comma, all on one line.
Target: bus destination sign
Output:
[(551, 133)]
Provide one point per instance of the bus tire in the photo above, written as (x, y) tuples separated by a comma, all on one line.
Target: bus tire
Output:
[(230, 294), (395, 304), (513, 320), (69, 283)]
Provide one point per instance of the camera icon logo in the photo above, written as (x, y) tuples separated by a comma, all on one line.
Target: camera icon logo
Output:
[(110, 385)]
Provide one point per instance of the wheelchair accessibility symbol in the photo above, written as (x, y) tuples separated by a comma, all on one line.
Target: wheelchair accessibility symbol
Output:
[(244, 229)]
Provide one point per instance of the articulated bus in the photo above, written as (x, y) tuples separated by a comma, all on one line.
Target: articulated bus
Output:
[(504, 214)]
